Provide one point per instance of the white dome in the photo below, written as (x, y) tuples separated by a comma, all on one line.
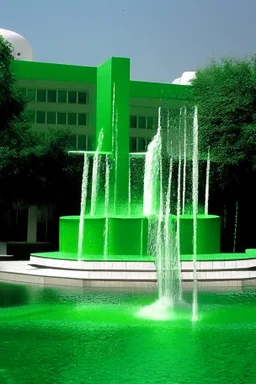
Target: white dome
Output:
[(185, 78), (21, 48), (176, 81)]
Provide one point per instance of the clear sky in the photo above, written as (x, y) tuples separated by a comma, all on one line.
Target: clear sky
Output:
[(163, 38)]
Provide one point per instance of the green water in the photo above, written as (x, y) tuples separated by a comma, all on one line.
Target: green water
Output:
[(60, 336)]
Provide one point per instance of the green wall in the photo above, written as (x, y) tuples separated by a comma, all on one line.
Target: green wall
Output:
[(112, 116), (70, 73), (148, 90), (104, 104), (55, 72)]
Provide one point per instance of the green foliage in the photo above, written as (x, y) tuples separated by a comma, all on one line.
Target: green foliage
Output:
[(225, 93), (13, 125), (33, 170)]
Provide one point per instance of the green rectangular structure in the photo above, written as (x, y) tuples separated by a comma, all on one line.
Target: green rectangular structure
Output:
[(113, 92)]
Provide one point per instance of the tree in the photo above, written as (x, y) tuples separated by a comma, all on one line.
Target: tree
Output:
[(225, 93), (33, 170), (13, 124)]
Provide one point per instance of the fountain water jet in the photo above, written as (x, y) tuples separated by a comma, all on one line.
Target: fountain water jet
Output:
[(107, 175), (95, 174), (195, 212), (235, 227), (83, 205), (207, 184), (184, 161)]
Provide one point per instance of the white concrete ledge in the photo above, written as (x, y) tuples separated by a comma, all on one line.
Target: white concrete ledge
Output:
[(122, 274), (139, 265), (93, 265)]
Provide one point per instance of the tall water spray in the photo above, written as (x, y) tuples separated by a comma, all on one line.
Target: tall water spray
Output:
[(178, 216), (151, 176), (207, 184), (129, 189), (83, 205), (235, 227), (95, 174), (172, 271), (106, 210), (184, 161), (159, 238), (162, 229), (168, 240), (195, 180)]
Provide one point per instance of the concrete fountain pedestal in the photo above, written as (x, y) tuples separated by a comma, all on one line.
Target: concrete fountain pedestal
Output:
[(231, 270), (127, 264)]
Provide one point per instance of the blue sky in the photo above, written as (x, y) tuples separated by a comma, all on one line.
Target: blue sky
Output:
[(163, 38)]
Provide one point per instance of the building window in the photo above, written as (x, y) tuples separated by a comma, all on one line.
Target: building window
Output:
[(40, 117), (81, 118), (82, 98), (72, 142), (133, 146), (41, 95), (142, 144), (71, 118), (133, 121), (81, 144), (51, 117), (61, 118), (51, 96), (142, 122), (72, 97), (31, 115), (89, 143), (62, 96), (31, 94), (150, 123)]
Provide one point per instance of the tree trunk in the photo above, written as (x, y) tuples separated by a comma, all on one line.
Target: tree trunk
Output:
[(32, 224)]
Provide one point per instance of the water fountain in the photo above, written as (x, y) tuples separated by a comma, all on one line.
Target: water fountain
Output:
[(133, 219), (160, 219), (144, 211), (125, 219)]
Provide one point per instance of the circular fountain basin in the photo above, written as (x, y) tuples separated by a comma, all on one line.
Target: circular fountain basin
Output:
[(113, 236), (208, 234)]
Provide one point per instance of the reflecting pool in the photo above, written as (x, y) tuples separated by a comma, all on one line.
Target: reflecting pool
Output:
[(50, 335)]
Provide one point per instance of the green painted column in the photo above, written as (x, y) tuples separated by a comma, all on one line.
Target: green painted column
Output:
[(113, 82), (104, 104)]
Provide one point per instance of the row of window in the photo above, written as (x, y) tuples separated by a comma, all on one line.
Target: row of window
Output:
[(145, 122), (60, 118), (54, 96), (85, 143), (139, 144), (81, 142), (77, 142)]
